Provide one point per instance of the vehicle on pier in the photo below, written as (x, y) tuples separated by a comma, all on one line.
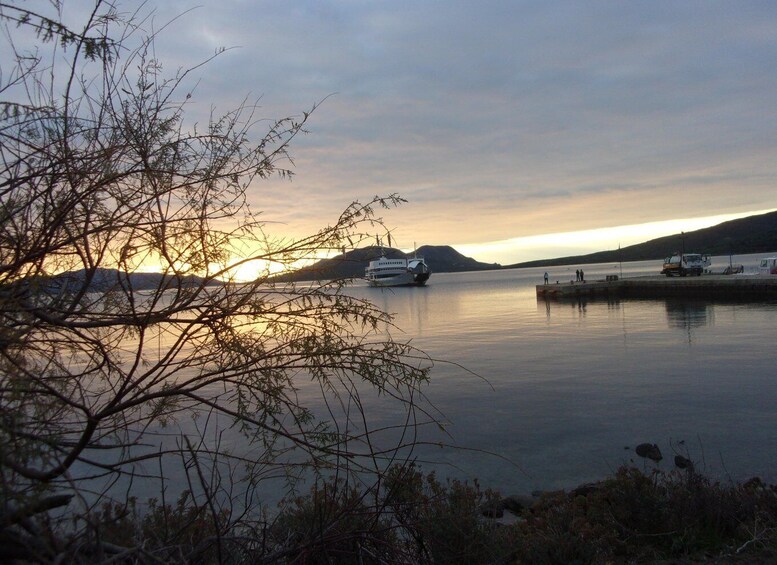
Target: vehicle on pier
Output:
[(683, 264), (768, 266)]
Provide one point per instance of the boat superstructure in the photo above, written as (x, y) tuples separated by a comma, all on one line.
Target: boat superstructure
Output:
[(397, 272)]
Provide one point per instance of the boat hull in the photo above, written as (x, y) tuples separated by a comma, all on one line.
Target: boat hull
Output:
[(402, 279)]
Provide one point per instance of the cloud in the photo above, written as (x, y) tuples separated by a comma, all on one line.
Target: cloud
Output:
[(500, 119)]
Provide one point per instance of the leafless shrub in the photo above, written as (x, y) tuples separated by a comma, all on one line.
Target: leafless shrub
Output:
[(99, 365)]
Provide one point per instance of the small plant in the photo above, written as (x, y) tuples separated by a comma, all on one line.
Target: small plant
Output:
[(335, 523), (184, 532), (642, 517), (442, 521)]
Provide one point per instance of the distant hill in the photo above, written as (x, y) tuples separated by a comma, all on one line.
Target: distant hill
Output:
[(104, 279), (440, 258), (445, 259), (754, 234)]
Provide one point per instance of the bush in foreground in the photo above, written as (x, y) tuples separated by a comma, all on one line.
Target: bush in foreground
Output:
[(632, 517)]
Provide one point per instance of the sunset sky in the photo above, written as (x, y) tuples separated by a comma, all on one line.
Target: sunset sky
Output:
[(516, 130)]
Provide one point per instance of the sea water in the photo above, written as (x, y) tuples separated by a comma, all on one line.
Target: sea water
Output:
[(530, 394), (563, 391)]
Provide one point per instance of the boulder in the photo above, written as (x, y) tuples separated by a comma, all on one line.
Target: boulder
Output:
[(683, 462), (517, 503), (649, 451), (585, 489)]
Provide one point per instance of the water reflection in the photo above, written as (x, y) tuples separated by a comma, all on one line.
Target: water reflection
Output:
[(680, 314), (683, 315), (686, 315), (411, 305), (576, 303)]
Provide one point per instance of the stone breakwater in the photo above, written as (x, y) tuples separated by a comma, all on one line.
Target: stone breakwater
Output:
[(739, 287)]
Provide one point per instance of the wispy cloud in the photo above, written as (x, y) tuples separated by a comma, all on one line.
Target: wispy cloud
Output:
[(497, 119)]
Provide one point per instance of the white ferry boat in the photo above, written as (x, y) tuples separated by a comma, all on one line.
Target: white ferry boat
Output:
[(397, 272)]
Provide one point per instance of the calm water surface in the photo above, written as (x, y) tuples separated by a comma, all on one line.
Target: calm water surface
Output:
[(571, 384), (562, 388)]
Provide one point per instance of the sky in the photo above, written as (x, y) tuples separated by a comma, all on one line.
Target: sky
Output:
[(516, 130)]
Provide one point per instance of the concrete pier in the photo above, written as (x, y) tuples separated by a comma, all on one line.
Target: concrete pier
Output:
[(738, 287)]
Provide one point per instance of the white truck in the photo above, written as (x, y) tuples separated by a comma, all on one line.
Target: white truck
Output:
[(682, 264), (768, 266)]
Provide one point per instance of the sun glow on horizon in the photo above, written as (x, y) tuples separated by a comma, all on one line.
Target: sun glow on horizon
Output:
[(244, 271)]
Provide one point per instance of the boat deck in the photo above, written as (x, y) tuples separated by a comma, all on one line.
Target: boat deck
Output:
[(739, 287)]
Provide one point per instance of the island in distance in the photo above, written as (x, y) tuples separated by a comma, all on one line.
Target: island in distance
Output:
[(439, 258), (753, 234)]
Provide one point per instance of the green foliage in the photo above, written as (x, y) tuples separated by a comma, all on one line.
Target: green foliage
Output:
[(411, 517), (184, 532), (442, 520), (646, 517), (47, 30), (335, 523)]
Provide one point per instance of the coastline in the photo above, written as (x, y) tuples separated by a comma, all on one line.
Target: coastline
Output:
[(740, 287)]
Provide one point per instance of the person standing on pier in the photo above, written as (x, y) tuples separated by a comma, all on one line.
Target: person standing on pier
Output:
[(546, 277), (582, 276), (577, 275)]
